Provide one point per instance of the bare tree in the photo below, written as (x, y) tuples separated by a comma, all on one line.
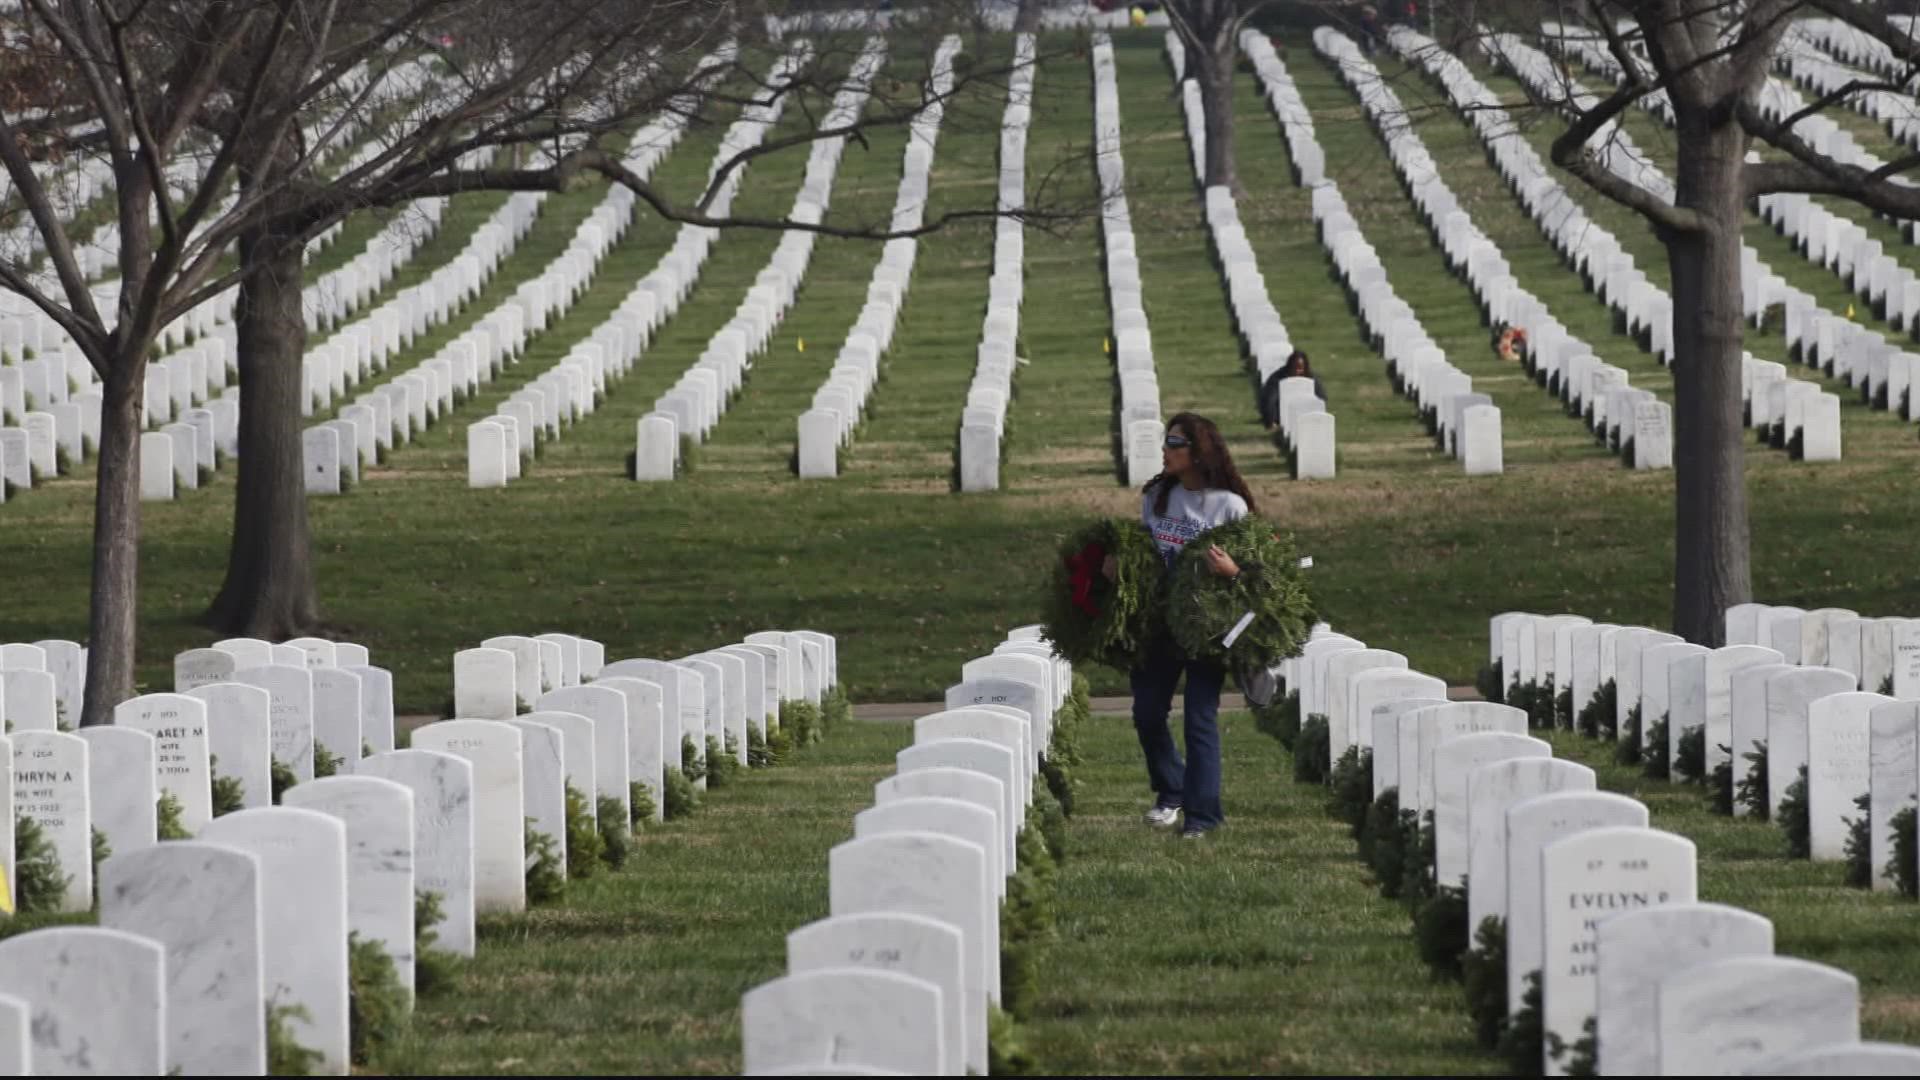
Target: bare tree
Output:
[(213, 115), (1711, 60), (1208, 29)]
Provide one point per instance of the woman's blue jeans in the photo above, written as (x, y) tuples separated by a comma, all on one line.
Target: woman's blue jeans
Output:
[(1193, 784)]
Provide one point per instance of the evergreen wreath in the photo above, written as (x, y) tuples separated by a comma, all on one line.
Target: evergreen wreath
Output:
[(1088, 619), (1203, 607)]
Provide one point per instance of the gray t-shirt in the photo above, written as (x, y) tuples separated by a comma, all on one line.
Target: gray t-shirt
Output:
[(1189, 513)]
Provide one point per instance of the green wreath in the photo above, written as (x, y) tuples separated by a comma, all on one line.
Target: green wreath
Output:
[(1203, 607), (1088, 619)]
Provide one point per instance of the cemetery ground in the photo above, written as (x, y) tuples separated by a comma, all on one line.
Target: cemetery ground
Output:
[(1265, 948)]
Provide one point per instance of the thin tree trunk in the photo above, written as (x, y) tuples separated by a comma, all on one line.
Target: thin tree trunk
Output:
[(1711, 554), (269, 590), (112, 622)]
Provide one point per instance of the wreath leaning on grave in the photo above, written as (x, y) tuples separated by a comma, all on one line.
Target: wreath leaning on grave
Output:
[(1089, 619), (1203, 608)]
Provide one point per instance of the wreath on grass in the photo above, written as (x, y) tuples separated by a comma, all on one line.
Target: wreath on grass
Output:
[(1088, 619), (1204, 609)]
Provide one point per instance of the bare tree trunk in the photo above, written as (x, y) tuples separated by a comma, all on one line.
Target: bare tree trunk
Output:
[(269, 591), (112, 622), (1215, 75), (1711, 556)]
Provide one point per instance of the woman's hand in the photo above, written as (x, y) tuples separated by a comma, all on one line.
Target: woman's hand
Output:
[(1110, 566), (1221, 562)]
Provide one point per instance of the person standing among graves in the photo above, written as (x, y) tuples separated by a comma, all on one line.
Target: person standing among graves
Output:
[(1297, 366), (1198, 488)]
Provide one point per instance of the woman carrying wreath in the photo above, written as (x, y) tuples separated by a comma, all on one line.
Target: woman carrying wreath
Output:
[(1198, 488)]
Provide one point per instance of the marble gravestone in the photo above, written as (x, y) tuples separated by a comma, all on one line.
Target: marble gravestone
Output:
[(1389, 760), (443, 857), (1893, 735), (97, 999), (1454, 763), (201, 902), (543, 788), (1788, 696), (483, 684), (240, 738), (500, 852), (1727, 1016), (845, 1017), (957, 818), (121, 789), (913, 945), (1636, 949), (1587, 875), (1747, 720), (1838, 766), (1492, 788), (378, 816), (928, 874), (1532, 824), (964, 784), (303, 902), (979, 755), (644, 710), (291, 714), (178, 725), (50, 785)]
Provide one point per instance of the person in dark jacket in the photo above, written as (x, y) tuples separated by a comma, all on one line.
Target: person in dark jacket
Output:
[(1297, 366)]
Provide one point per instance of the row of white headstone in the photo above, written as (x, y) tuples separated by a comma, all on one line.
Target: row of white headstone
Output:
[(1596, 905), (1815, 335), (899, 978), (983, 419), (200, 936), (689, 409), (1466, 424), (1787, 412), (1625, 418), (1788, 682), (500, 445), (828, 424), (1140, 418), (1306, 426), (1769, 1017)]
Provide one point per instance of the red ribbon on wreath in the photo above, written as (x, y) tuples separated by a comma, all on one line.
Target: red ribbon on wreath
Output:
[(1086, 569)]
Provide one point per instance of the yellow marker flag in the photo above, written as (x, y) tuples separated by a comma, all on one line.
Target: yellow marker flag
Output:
[(1139, 17), (1849, 311), (6, 898), (803, 344), (1106, 345)]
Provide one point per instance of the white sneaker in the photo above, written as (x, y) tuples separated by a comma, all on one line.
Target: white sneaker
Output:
[(1164, 817)]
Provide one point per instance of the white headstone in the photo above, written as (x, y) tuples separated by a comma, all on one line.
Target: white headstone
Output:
[(50, 786), (1532, 824), (378, 815), (843, 1017), (121, 788), (483, 684), (1635, 950), (1454, 762), (200, 667), (240, 738), (98, 999), (1727, 1016), (303, 901), (443, 833), (500, 853), (201, 902), (291, 689), (1492, 788), (1584, 877), (912, 945)]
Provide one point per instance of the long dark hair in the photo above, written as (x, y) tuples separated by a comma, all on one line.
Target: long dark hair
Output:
[(1210, 453)]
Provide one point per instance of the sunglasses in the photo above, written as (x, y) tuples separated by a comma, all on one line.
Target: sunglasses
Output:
[(1178, 442)]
